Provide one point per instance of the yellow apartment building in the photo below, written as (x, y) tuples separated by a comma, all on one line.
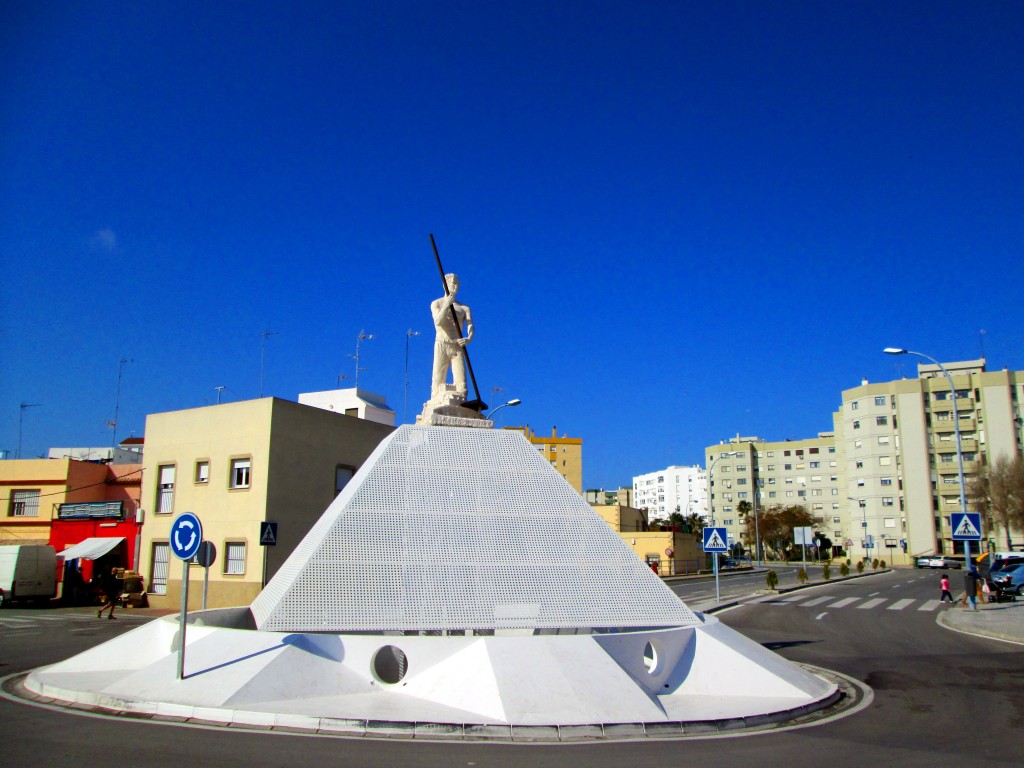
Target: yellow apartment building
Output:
[(237, 466), (564, 453)]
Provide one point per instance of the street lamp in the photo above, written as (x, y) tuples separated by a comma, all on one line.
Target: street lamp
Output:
[(511, 403), (956, 430), (864, 525), (711, 500)]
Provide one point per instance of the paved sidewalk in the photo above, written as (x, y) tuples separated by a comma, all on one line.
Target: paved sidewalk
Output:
[(1003, 621)]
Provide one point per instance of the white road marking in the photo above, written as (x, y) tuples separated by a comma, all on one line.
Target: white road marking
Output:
[(872, 603), (872, 594), (899, 605), (818, 601), (818, 617), (844, 602), (930, 605)]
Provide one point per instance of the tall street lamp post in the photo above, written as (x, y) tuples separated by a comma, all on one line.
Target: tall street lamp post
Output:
[(510, 404), (956, 430), (711, 503), (405, 402), (864, 525)]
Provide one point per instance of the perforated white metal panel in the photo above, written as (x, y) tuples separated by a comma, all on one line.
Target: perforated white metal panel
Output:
[(447, 528)]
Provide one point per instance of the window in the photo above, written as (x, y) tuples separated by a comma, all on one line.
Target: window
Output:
[(859, 464), (158, 571), (165, 490), (240, 473), (234, 557), (202, 471), (889, 522), (772, 494), (880, 400), (881, 421), (856, 425), (341, 477), (837, 519), (815, 464), (787, 466), (727, 522), (24, 504), (883, 439), (884, 461), (352, 412), (887, 501), (886, 481), (854, 405)]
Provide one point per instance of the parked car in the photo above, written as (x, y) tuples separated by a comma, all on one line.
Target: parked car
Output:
[(941, 561), (1010, 579), (923, 562)]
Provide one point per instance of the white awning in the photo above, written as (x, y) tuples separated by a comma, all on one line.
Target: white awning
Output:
[(91, 549)]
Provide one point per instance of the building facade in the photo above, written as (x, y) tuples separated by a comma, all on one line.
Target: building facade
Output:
[(674, 489), (898, 442), (237, 466), (564, 453), (767, 474), (884, 483)]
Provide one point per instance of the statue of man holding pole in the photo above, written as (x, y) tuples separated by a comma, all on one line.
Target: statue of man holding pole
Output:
[(450, 317)]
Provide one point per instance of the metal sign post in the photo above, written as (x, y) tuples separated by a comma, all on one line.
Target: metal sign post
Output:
[(206, 556), (185, 537), (715, 541)]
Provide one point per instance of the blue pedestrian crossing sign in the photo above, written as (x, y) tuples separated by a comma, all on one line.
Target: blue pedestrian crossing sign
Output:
[(186, 536), (966, 526), (715, 540)]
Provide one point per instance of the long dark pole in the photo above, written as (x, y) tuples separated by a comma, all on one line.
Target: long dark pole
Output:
[(478, 404)]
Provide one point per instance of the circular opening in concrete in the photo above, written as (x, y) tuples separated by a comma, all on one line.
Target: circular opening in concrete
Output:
[(650, 659), (389, 664)]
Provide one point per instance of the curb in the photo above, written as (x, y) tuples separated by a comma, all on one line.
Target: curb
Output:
[(988, 634)]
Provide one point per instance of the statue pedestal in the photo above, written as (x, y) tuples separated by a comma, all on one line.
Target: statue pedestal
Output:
[(446, 410)]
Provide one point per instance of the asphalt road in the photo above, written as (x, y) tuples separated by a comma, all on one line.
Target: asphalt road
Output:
[(941, 698)]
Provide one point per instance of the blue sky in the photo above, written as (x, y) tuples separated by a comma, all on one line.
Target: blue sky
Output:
[(673, 221)]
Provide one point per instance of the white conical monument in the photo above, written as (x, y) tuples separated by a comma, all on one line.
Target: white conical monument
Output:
[(457, 584)]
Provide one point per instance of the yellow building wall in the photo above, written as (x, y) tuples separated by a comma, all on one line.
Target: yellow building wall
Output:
[(58, 481), (293, 451)]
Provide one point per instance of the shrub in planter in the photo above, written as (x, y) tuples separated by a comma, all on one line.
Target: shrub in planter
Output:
[(826, 572), (881, 563), (801, 576), (874, 564), (772, 579), (860, 566), (844, 569)]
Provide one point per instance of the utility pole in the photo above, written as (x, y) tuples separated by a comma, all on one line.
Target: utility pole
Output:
[(117, 405), (21, 417)]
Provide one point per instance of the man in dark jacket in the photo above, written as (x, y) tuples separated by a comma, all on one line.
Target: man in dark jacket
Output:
[(110, 583)]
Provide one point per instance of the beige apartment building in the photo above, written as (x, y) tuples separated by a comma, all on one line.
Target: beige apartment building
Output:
[(886, 481), (803, 473), (900, 453), (236, 466), (564, 453)]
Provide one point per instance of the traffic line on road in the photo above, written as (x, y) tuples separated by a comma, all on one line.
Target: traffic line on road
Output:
[(818, 601), (820, 616), (872, 603), (844, 602), (930, 605), (899, 605)]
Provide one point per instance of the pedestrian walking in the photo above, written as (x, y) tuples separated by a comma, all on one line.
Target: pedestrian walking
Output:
[(971, 579), (944, 586), (110, 583)]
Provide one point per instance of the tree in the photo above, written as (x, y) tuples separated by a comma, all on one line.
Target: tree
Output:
[(776, 525), (998, 492)]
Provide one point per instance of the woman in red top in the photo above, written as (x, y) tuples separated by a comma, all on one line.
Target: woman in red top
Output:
[(944, 585)]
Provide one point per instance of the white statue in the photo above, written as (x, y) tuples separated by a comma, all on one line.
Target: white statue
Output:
[(450, 342)]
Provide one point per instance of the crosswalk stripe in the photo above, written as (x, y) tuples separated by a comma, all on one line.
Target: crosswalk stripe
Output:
[(872, 602), (930, 605), (899, 605), (844, 602), (11, 621), (817, 601)]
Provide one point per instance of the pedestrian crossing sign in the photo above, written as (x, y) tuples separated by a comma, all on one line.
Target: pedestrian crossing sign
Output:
[(715, 540), (268, 534), (966, 526)]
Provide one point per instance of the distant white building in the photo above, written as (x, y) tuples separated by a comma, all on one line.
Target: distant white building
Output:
[(675, 488), (128, 451), (352, 402)]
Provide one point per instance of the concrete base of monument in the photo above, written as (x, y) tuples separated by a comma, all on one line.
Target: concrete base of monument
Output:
[(667, 681)]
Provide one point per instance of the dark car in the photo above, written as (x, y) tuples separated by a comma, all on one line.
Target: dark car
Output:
[(1009, 579)]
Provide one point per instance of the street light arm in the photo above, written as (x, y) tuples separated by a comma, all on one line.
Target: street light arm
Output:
[(511, 403)]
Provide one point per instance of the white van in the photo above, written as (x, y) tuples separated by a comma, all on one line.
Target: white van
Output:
[(27, 572)]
